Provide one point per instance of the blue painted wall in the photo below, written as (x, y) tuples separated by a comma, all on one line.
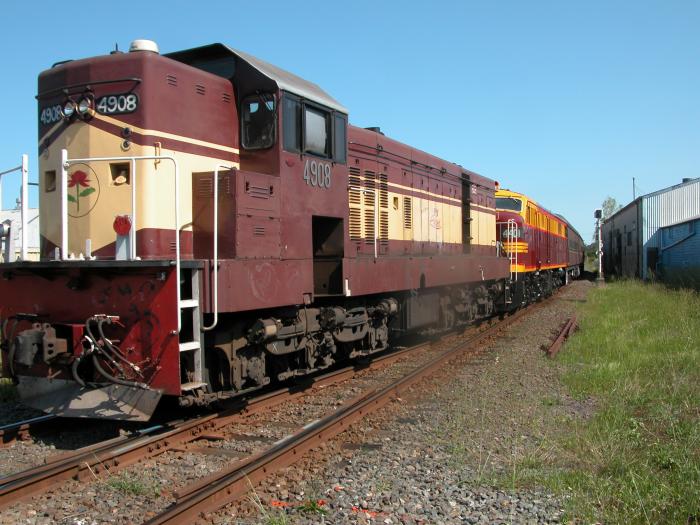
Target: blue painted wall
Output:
[(679, 260)]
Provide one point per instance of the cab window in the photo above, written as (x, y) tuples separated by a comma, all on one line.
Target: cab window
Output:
[(258, 121), (309, 128), (316, 132), (509, 204), (291, 123), (339, 141)]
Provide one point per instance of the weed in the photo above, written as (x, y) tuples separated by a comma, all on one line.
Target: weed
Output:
[(312, 506), (383, 485), (127, 483), (269, 518), (551, 401)]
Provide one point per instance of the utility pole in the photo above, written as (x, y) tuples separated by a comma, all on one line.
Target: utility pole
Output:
[(634, 190), (598, 218)]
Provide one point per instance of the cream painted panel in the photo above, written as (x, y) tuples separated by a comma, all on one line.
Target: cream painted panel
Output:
[(154, 187), (395, 216)]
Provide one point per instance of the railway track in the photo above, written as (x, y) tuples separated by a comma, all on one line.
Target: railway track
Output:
[(229, 484), (213, 492), (24, 430), (120, 452)]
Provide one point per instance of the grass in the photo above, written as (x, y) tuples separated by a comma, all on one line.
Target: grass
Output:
[(127, 483), (637, 459)]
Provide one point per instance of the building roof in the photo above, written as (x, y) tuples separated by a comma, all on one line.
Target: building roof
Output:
[(652, 194)]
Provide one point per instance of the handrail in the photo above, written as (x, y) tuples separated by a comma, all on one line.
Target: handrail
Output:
[(24, 202), (376, 211), (216, 246), (66, 162), (509, 249)]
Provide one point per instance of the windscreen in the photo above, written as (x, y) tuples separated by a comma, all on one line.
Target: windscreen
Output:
[(509, 204)]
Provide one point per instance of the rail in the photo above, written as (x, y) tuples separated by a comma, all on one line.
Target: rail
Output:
[(24, 202), (65, 164), (118, 453), (216, 247), (220, 488)]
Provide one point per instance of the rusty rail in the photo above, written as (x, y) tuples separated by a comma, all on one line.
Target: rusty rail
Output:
[(569, 327), (117, 453), (224, 487), (23, 430)]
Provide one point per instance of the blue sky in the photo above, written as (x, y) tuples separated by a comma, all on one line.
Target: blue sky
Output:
[(563, 100)]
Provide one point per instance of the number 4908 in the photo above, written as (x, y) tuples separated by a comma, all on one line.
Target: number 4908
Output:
[(115, 104)]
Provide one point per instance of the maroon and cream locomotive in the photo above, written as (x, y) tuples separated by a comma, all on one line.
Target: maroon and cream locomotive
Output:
[(211, 223)]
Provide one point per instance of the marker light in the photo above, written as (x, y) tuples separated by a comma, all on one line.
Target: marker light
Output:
[(68, 109), (85, 106), (122, 225)]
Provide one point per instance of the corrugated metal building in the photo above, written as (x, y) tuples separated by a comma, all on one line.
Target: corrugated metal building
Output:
[(32, 231), (632, 237), (679, 264)]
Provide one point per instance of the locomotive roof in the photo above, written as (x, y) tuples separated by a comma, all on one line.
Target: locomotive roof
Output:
[(237, 66), (504, 192)]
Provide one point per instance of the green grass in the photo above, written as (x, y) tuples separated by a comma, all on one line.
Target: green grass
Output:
[(127, 483), (637, 459)]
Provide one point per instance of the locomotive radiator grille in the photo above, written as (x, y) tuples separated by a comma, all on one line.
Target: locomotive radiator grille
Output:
[(368, 210), (384, 209), (355, 201)]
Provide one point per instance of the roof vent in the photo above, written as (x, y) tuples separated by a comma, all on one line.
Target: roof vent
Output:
[(686, 179), (376, 129), (143, 45)]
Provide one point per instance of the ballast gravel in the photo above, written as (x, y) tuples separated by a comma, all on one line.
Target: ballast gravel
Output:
[(447, 452), (450, 452)]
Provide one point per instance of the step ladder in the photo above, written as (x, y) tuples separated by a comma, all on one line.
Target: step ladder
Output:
[(191, 347)]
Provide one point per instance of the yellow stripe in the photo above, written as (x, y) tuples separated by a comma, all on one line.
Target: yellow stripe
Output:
[(163, 134), (425, 192)]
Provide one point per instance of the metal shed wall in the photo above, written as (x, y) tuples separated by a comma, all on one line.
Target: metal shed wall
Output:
[(664, 208), (621, 242), (680, 254)]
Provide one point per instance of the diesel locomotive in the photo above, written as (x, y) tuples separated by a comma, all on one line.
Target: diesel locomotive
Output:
[(544, 250), (211, 224)]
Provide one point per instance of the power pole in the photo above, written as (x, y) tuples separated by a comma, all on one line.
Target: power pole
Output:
[(634, 190)]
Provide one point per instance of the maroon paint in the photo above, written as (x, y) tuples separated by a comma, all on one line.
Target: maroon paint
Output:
[(145, 303), (177, 109)]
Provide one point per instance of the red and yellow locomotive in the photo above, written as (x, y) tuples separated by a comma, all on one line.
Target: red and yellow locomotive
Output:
[(544, 250), (211, 223)]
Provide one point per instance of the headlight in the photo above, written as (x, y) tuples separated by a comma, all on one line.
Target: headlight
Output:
[(85, 105), (68, 109)]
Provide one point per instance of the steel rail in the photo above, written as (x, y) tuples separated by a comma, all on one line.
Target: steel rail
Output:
[(569, 327), (117, 453), (215, 491), (21, 430)]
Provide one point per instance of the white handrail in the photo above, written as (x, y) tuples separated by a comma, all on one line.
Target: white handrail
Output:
[(510, 249), (216, 247), (24, 211), (24, 206), (66, 162)]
